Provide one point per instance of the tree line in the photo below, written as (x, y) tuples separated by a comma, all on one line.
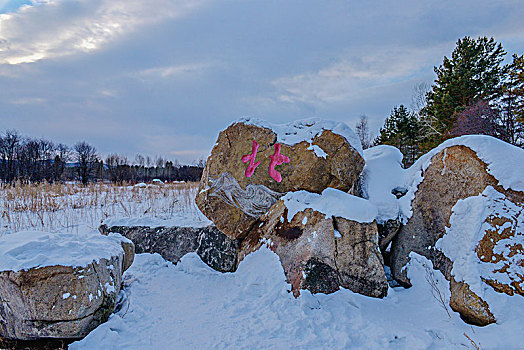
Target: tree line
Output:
[(27, 160), (474, 93)]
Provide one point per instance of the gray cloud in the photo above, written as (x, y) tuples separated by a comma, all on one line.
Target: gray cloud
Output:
[(130, 76)]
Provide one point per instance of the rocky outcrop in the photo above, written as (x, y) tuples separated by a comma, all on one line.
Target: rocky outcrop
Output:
[(457, 177), (172, 243), (307, 155), (322, 252), (44, 297)]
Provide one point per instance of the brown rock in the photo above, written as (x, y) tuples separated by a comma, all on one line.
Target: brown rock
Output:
[(465, 176), (469, 305), (358, 258), (457, 173), (234, 202), (321, 254), (58, 301)]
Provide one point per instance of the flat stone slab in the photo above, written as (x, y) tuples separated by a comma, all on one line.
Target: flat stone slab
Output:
[(172, 243)]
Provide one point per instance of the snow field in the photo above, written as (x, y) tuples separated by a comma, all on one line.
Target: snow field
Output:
[(72, 208), (191, 306)]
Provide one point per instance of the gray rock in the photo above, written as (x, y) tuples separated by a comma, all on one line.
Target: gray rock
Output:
[(172, 243), (217, 250)]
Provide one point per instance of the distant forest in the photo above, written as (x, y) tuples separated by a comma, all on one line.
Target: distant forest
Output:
[(27, 160)]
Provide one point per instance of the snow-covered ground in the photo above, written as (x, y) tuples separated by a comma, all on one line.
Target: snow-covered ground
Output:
[(190, 306)]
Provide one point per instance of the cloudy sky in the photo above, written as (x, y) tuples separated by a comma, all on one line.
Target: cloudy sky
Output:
[(163, 76)]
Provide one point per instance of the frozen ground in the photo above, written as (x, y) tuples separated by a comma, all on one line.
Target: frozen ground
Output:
[(190, 306)]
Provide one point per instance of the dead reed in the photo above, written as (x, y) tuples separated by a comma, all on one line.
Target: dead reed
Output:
[(53, 207)]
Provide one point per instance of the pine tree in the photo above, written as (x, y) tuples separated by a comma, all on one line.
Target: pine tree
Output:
[(474, 72), (512, 103)]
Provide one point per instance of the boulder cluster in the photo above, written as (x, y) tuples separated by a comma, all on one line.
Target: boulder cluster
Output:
[(336, 215), (307, 217)]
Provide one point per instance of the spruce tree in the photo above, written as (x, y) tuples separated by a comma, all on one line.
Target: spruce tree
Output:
[(401, 129)]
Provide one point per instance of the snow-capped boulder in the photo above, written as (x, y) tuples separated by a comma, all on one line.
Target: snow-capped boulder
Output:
[(254, 163), (464, 213), (59, 285), (324, 241), (173, 242)]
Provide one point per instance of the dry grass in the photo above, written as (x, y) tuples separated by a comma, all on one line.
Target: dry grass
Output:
[(54, 207), (473, 343)]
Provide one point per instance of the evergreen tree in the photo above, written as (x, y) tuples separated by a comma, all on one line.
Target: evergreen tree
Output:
[(512, 103), (474, 72), (402, 129)]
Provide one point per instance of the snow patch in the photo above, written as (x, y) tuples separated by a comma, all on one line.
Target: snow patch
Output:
[(319, 152), (32, 249), (200, 313), (193, 218), (306, 130), (382, 174), (331, 202)]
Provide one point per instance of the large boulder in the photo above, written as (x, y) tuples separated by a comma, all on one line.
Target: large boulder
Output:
[(172, 243), (466, 200), (308, 155), (59, 285), (324, 242)]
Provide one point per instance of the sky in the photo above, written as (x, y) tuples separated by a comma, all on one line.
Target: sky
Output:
[(163, 77)]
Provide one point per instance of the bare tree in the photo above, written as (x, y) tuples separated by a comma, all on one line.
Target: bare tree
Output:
[(418, 100), (160, 161), (85, 156), (140, 160), (478, 118), (118, 168), (418, 103), (8, 152), (362, 130), (62, 156)]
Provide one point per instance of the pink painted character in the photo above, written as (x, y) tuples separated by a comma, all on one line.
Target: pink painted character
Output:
[(277, 159), (251, 159)]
